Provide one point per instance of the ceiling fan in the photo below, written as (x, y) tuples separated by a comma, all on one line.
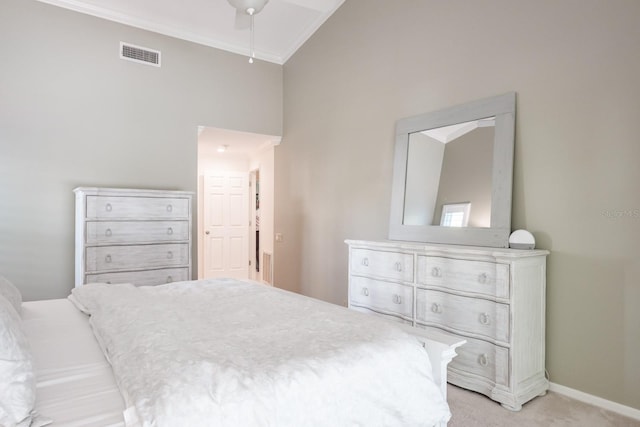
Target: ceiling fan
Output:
[(245, 11)]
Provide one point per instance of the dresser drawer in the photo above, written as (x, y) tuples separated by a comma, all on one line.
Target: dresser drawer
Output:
[(484, 359), (142, 278), (463, 314), (383, 264), (108, 258), (111, 207), (381, 296), (112, 232), (485, 278), (385, 316)]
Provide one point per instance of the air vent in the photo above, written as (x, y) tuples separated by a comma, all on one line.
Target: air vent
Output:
[(141, 55), (267, 268)]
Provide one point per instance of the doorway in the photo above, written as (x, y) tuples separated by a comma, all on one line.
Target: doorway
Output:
[(254, 224), (235, 204)]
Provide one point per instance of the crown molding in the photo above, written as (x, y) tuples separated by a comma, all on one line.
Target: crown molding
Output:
[(310, 31), (166, 30)]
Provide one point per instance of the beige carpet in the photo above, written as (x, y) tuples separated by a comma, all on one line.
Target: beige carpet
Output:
[(471, 409)]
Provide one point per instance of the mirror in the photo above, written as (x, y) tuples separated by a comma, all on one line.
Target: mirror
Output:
[(448, 179), (453, 175)]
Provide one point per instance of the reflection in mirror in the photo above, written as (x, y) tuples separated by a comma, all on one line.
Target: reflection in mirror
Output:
[(455, 214), (450, 166), (452, 174)]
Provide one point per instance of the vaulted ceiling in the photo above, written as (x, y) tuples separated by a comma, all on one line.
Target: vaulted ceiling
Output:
[(280, 28)]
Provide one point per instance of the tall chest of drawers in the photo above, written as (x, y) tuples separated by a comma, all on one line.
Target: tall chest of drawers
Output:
[(132, 236), (493, 298)]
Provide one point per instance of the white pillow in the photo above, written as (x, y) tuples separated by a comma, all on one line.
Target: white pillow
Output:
[(11, 293), (17, 379)]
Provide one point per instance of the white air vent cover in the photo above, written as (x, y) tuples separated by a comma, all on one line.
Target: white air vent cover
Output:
[(267, 268), (139, 54)]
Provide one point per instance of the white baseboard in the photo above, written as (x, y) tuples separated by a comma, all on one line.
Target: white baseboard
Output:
[(627, 411)]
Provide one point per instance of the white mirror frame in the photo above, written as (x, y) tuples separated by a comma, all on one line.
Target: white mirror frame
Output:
[(503, 107)]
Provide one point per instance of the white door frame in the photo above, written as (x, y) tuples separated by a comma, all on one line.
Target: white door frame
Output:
[(259, 157), (254, 274)]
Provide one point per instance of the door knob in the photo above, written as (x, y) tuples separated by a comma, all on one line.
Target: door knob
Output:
[(206, 232)]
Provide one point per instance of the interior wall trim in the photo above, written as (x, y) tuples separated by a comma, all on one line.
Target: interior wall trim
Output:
[(609, 405), (157, 27)]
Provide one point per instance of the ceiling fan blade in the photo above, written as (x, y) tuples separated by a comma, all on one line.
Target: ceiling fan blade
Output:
[(243, 21)]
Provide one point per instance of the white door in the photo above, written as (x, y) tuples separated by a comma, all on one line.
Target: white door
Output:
[(226, 225)]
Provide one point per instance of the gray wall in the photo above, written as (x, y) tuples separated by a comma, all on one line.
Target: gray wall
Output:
[(574, 65), (72, 113)]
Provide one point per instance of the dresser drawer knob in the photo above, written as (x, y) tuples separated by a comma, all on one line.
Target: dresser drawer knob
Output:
[(483, 278), (485, 319), (399, 266), (169, 255), (169, 208), (169, 231), (107, 259), (365, 292), (108, 207), (108, 232), (436, 272), (397, 299), (169, 279), (436, 308), (365, 262), (483, 360)]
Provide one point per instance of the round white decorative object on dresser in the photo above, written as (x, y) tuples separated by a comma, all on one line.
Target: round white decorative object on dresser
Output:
[(522, 239)]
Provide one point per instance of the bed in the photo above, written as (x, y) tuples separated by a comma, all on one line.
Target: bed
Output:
[(279, 359)]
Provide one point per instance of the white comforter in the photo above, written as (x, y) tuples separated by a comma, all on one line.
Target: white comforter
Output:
[(230, 353)]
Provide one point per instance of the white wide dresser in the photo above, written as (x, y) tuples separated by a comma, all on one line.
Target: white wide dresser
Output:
[(132, 236), (493, 298)]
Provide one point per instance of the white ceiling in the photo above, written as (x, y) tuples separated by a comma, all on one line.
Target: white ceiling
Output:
[(446, 134), (280, 28), (237, 142)]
